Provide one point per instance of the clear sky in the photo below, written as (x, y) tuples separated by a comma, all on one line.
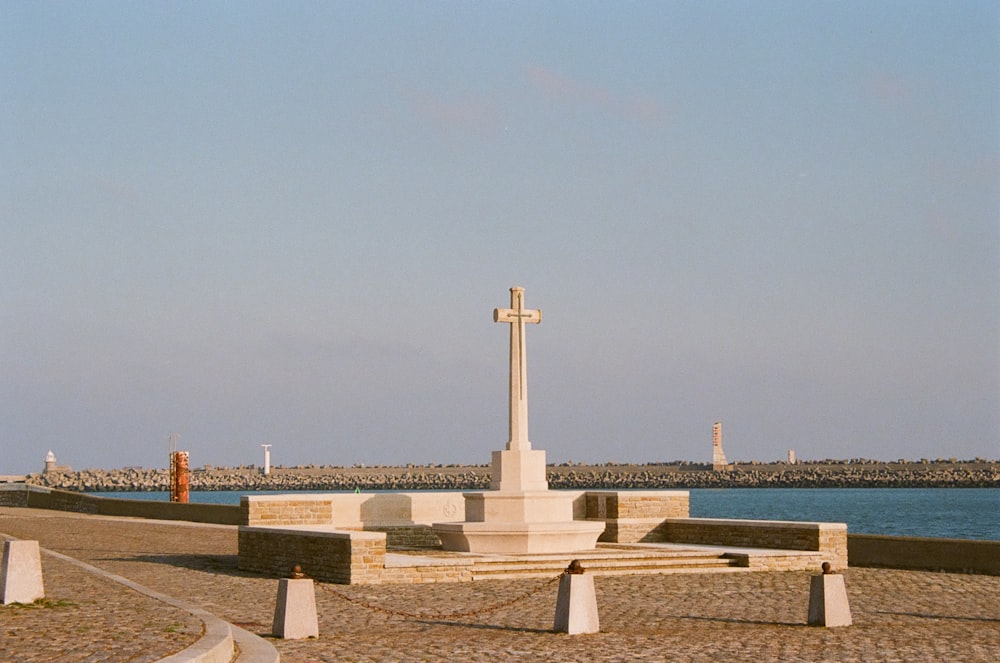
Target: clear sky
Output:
[(289, 222)]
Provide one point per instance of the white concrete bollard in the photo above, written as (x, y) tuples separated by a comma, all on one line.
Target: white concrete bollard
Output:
[(576, 607), (21, 573), (295, 610), (828, 604)]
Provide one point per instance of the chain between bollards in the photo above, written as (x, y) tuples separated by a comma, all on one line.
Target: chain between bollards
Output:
[(451, 615)]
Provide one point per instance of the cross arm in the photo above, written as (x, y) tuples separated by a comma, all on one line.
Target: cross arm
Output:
[(532, 315)]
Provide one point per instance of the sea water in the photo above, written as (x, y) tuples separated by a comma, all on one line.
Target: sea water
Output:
[(952, 513)]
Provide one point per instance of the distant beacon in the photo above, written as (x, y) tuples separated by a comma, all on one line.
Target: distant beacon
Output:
[(51, 466), (718, 455)]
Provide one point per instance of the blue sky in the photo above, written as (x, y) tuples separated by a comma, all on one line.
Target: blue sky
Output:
[(290, 222)]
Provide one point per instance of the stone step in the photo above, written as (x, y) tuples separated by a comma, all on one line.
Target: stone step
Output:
[(524, 575), (634, 565), (642, 562)]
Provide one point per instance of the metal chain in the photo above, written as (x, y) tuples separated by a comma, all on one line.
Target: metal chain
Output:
[(451, 615)]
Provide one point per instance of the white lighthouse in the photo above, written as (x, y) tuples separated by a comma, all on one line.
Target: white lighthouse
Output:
[(267, 459)]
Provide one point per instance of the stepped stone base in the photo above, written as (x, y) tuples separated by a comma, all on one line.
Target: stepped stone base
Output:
[(515, 537), (519, 522), (389, 538)]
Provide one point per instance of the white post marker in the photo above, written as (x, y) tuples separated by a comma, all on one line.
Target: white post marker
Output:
[(828, 604), (295, 610), (21, 573), (576, 606)]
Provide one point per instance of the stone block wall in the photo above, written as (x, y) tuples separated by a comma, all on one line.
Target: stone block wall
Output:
[(830, 539), (408, 536), (354, 511), (331, 556), (263, 511), (636, 516)]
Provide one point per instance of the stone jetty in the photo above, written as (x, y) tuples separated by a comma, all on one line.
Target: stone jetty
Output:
[(854, 473)]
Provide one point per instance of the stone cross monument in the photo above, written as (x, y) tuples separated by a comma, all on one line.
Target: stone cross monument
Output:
[(519, 514), (518, 468)]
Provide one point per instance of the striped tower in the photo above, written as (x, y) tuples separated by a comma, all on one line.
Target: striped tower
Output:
[(718, 455)]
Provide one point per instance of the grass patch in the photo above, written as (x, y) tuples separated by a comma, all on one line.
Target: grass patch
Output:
[(43, 604), (174, 627)]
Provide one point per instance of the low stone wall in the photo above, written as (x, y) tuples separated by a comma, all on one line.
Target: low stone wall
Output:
[(406, 518), (636, 516), (62, 500), (909, 552), (15, 495), (324, 553), (629, 516), (827, 538)]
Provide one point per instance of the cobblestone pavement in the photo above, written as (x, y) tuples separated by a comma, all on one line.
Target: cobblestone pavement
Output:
[(83, 617), (898, 615)]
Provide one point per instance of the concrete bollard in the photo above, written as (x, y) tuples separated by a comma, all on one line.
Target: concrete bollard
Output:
[(21, 573), (295, 610), (828, 604), (576, 606)]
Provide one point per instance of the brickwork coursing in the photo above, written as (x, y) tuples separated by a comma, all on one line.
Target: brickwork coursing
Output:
[(270, 512), (804, 561), (408, 536), (341, 557), (638, 504), (632, 517), (634, 530)]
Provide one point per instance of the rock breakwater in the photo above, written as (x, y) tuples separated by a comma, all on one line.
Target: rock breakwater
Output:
[(828, 474)]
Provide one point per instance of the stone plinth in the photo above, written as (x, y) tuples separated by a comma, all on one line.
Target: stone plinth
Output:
[(528, 507), (828, 604), (518, 470), (21, 573), (295, 610), (576, 606)]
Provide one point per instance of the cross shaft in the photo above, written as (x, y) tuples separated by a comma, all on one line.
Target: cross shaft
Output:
[(517, 316)]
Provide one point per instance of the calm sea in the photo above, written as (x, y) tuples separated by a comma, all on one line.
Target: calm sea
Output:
[(954, 513)]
